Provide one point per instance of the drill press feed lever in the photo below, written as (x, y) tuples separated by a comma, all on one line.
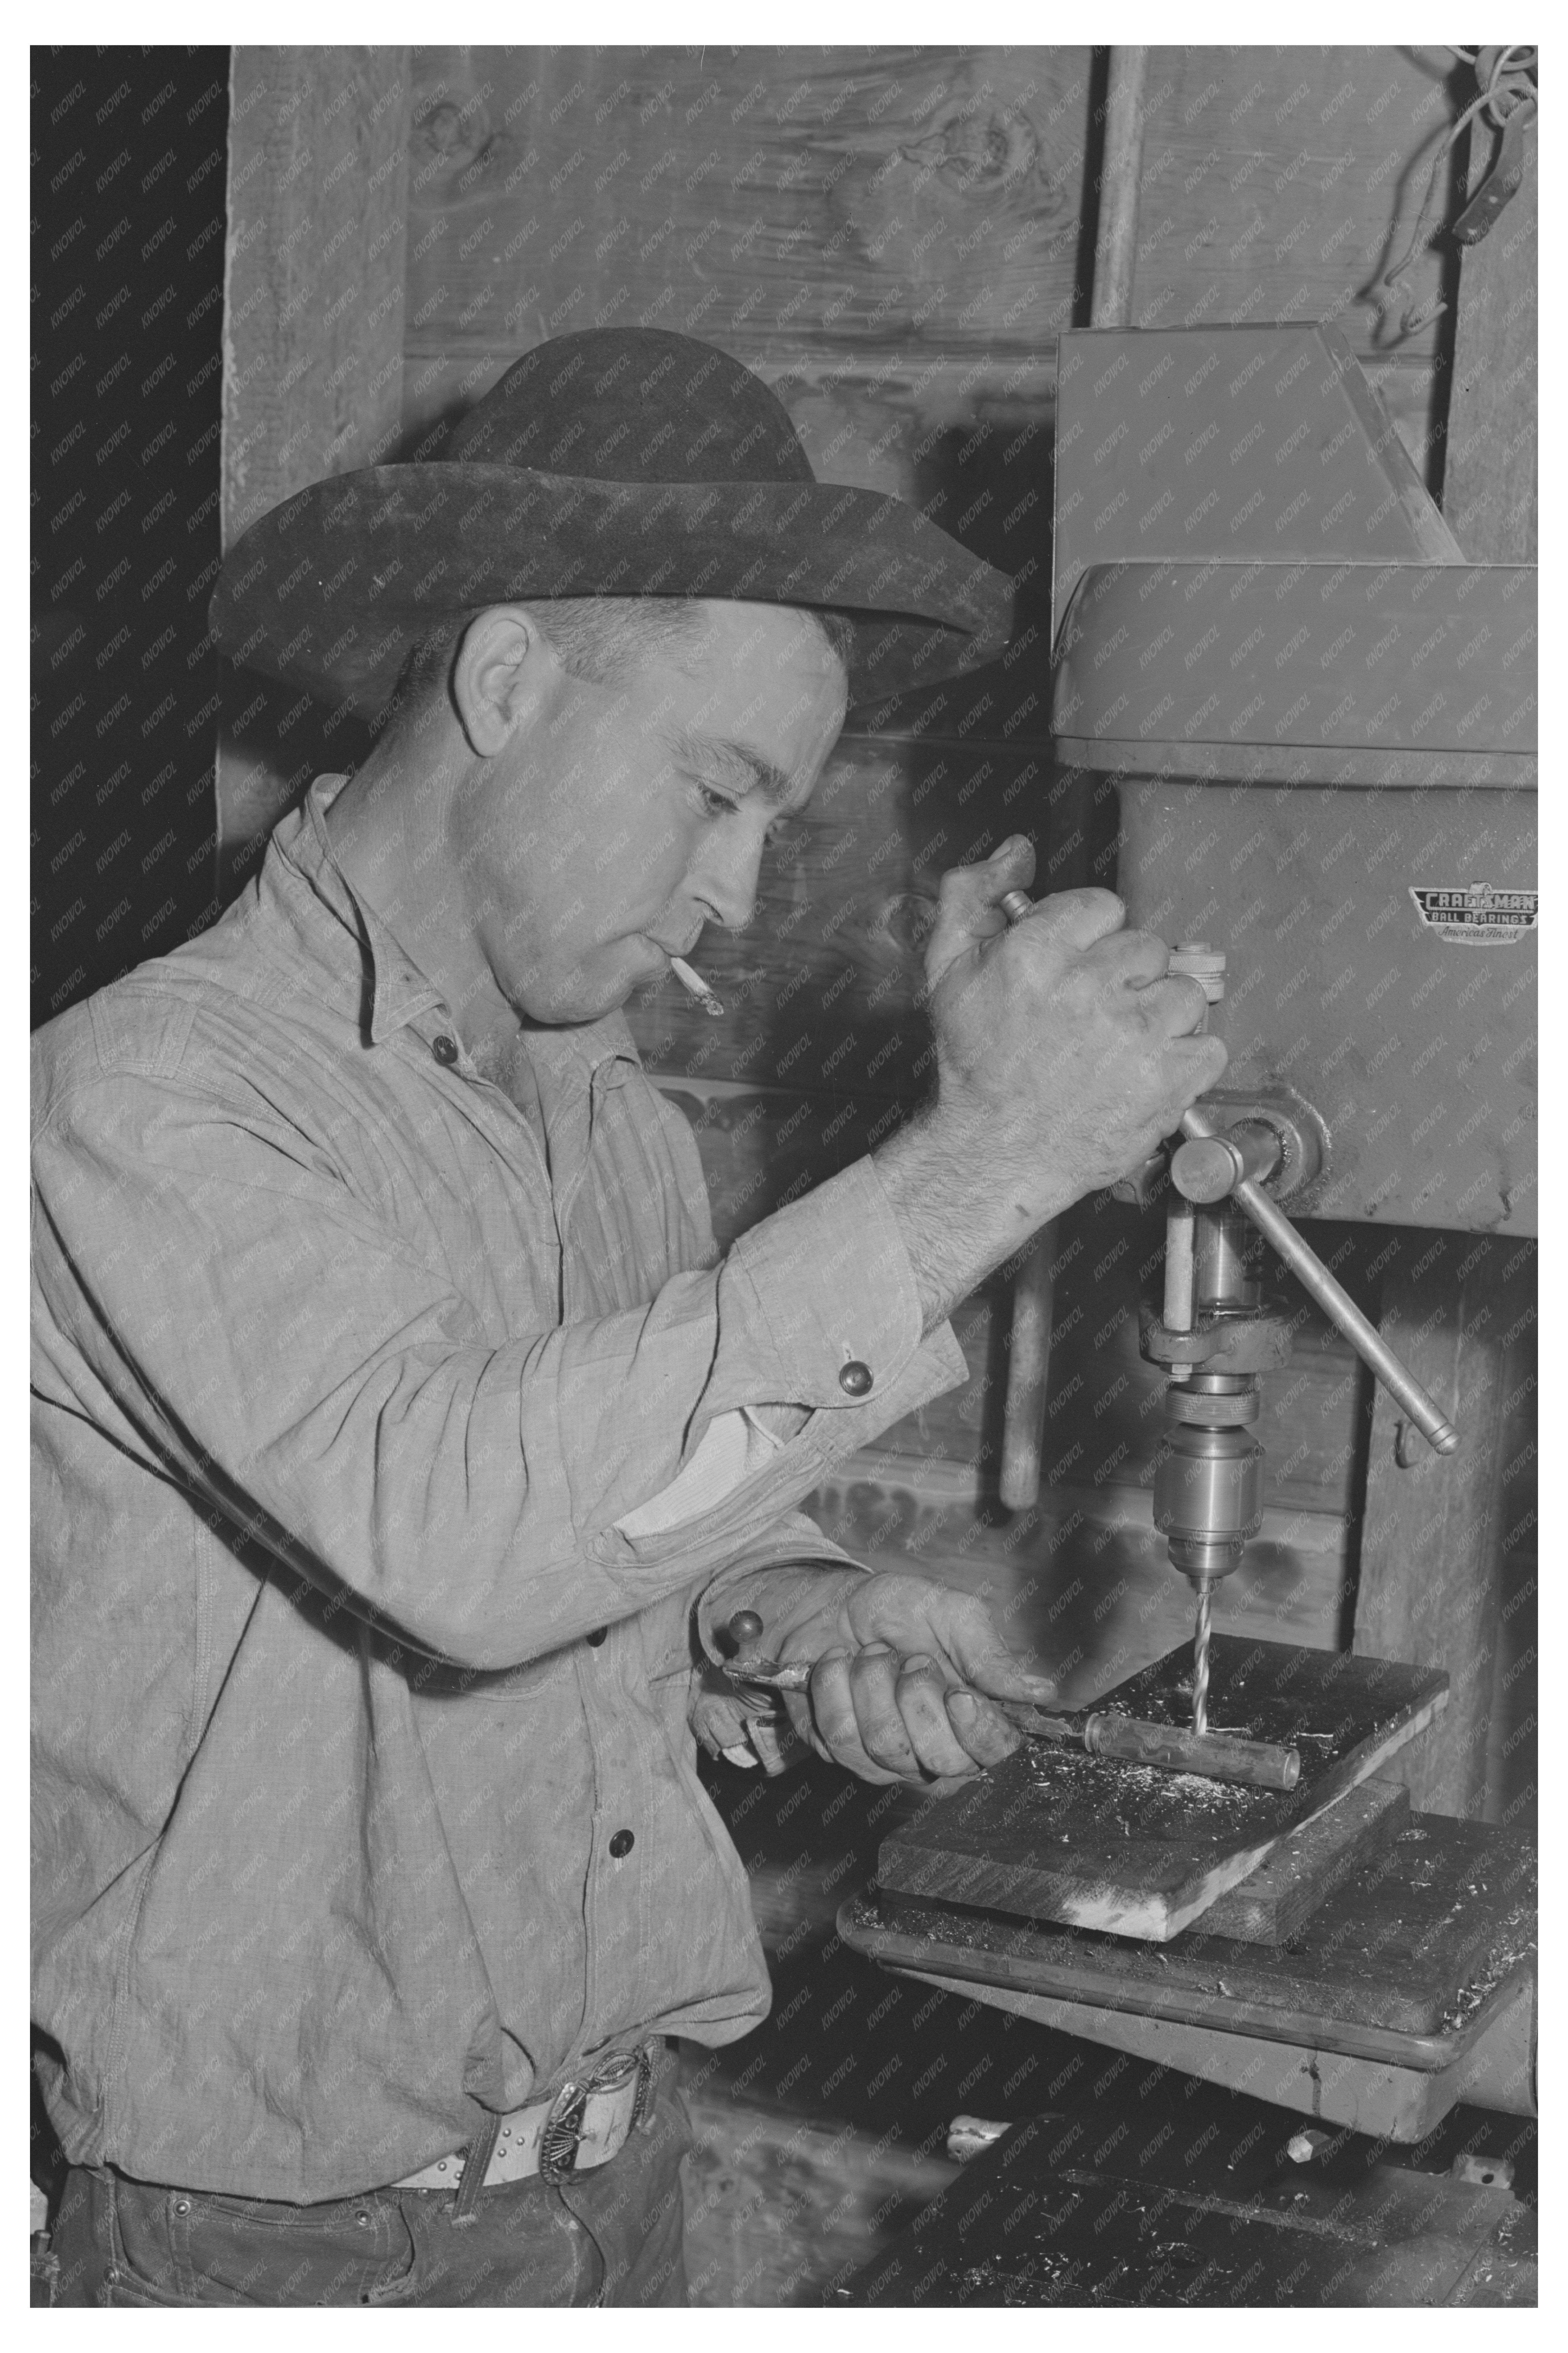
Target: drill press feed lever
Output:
[(1245, 1189)]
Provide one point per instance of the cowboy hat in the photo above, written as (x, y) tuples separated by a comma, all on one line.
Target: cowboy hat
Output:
[(616, 461)]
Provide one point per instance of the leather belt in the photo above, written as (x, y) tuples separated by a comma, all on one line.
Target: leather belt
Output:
[(582, 2125)]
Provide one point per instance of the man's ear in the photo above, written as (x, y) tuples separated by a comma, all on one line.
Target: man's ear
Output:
[(505, 672)]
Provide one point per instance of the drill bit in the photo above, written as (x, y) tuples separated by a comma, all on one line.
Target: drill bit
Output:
[(1201, 1659)]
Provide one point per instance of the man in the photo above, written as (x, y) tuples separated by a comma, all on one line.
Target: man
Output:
[(404, 1447)]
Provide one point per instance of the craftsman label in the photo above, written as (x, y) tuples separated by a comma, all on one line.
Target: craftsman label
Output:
[(1478, 912)]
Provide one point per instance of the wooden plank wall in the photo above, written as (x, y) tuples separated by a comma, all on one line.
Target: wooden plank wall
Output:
[(313, 357), (894, 238), (1490, 474)]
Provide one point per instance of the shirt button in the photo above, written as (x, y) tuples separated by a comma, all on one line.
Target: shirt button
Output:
[(596, 1636), (855, 1380), (622, 1845), (444, 1049)]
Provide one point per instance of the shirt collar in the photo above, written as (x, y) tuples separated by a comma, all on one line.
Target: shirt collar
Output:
[(399, 992)]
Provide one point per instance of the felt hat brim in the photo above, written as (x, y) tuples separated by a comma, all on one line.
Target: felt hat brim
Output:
[(332, 589)]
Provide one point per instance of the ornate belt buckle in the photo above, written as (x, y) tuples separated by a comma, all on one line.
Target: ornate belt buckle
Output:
[(628, 2070), (563, 2134)]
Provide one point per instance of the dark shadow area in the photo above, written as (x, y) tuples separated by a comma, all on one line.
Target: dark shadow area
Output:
[(1093, 172), (128, 189)]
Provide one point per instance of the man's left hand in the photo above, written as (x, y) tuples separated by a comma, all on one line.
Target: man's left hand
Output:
[(904, 1680)]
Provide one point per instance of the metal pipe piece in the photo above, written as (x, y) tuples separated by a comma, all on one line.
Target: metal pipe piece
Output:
[(1336, 1303), (1260, 1763), (1218, 1755)]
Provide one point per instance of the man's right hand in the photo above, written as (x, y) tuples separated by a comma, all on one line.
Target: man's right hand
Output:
[(1065, 1052)]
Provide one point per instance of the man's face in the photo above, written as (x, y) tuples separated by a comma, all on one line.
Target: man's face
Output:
[(602, 836)]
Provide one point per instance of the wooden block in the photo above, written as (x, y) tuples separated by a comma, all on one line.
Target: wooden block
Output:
[(1304, 1868), (1130, 1850)]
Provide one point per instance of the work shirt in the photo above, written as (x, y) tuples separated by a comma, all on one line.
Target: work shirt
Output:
[(365, 1792)]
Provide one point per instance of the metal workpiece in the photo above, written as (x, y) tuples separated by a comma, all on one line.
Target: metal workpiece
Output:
[(1260, 1764)]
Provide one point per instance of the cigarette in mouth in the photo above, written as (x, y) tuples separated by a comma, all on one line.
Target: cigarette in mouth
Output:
[(696, 986)]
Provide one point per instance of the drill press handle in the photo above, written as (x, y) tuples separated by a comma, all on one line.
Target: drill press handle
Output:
[(1215, 1164)]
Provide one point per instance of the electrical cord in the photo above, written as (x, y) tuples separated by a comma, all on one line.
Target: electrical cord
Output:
[(1506, 85)]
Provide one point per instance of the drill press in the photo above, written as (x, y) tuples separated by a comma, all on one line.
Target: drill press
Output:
[(1216, 1336), (1313, 723)]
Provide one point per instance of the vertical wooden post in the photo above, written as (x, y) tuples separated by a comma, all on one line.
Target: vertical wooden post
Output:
[(1459, 1313), (313, 332), (1115, 258), (1116, 234), (1489, 469)]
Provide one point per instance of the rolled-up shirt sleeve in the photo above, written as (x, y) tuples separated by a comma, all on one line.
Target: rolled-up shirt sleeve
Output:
[(237, 1314)]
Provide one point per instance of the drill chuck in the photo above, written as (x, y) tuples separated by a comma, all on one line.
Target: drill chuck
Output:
[(1208, 1496)]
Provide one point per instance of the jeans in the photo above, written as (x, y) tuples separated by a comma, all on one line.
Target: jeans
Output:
[(609, 2237)]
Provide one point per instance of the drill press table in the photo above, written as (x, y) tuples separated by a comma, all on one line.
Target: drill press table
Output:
[(1373, 1969)]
